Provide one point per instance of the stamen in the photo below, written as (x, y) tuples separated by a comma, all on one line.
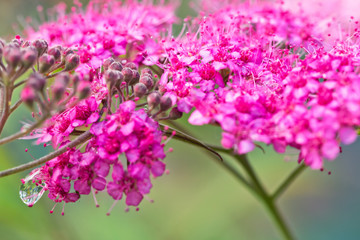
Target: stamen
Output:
[(63, 210), (169, 138), (111, 208), (52, 210), (26, 150), (149, 199), (95, 200)]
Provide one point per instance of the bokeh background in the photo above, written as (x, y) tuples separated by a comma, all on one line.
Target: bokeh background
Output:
[(197, 200)]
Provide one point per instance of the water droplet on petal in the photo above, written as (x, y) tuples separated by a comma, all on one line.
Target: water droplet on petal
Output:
[(31, 190)]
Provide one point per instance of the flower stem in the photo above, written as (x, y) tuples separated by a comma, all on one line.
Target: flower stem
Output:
[(289, 180), (82, 138), (267, 200), (254, 184), (5, 97), (277, 217), (23, 132)]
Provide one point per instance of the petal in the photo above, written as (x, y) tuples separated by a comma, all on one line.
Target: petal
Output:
[(133, 198), (347, 135)]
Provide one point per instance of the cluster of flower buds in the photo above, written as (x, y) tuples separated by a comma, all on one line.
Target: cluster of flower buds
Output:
[(21, 56), (129, 84), (131, 131)]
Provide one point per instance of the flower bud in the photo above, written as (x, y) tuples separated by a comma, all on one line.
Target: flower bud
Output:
[(18, 40), (84, 90), (107, 62), (112, 77), (135, 78), (28, 96), (131, 65), (40, 45), (75, 79), (146, 71), (116, 66), (175, 114), (12, 55), (71, 62), (65, 52), (56, 53), (140, 90), (60, 84), (25, 44), (147, 81), (28, 56), (128, 74), (2, 45), (165, 103), (46, 61), (153, 99), (36, 81)]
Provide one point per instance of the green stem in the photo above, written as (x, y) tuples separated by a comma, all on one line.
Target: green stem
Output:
[(290, 179), (80, 139), (255, 185), (267, 200), (185, 137), (242, 159), (277, 217)]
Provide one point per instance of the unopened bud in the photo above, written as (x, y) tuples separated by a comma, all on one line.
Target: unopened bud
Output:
[(140, 90), (107, 62), (175, 114), (2, 45), (84, 90), (71, 62), (75, 79), (146, 71), (46, 61), (111, 77), (64, 53), (17, 40), (60, 84), (12, 55), (116, 66), (36, 81), (40, 45), (165, 103), (131, 65), (56, 53), (128, 74), (135, 78), (147, 81), (153, 99), (25, 44), (28, 56), (28, 96)]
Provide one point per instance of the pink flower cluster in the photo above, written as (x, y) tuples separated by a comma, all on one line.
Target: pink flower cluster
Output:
[(107, 28), (260, 72), (246, 72), (129, 134)]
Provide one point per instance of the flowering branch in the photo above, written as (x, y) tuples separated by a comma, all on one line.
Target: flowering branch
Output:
[(5, 95), (16, 105), (81, 139), (187, 138), (24, 131), (290, 179), (265, 197), (211, 150)]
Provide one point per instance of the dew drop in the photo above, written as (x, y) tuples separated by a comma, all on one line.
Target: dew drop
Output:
[(31, 191)]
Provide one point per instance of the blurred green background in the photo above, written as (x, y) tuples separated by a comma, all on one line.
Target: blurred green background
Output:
[(197, 200)]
